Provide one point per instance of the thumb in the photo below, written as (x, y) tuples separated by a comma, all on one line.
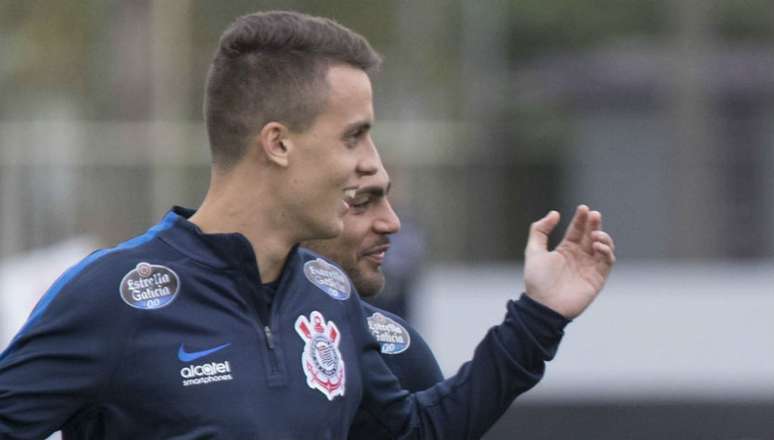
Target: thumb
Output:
[(539, 232)]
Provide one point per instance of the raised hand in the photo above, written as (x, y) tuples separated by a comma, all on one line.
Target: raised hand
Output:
[(568, 278)]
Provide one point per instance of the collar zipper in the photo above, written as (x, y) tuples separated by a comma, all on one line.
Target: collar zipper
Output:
[(269, 338)]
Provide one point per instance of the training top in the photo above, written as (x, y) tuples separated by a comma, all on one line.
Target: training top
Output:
[(406, 354), (160, 338)]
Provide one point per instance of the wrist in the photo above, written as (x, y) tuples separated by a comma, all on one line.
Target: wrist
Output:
[(550, 315)]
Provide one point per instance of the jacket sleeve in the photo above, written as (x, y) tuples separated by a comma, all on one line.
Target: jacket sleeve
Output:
[(420, 369), (415, 368), (53, 369), (507, 362)]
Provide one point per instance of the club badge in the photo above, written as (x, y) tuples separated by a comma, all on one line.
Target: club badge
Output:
[(391, 336), (321, 360), (149, 286), (329, 278)]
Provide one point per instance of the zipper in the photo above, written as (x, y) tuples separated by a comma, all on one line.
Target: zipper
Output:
[(274, 358), (272, 352), (274, 368), (271, 361), (269, 339)]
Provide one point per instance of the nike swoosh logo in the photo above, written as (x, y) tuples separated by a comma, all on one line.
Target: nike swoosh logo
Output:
[(184, 356)]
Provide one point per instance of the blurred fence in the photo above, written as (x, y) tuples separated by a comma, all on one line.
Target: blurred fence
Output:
[(112, 180), (108, 180)]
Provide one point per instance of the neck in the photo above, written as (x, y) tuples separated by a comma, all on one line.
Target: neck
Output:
[(228, 208)]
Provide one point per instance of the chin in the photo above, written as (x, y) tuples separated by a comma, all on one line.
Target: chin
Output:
[(368, 286), (368, 291)]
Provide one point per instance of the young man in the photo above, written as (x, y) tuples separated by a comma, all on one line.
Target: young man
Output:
[(215, 324), (360, 250)]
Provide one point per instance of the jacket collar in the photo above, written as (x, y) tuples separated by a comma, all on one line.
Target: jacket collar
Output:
[(219, 251)]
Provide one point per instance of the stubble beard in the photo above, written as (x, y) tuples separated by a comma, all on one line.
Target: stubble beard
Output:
[(368, 282)]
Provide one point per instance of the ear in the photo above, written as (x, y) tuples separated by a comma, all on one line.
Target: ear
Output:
[(275, 143)]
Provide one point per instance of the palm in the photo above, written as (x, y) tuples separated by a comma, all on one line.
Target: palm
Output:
[(568, 278)]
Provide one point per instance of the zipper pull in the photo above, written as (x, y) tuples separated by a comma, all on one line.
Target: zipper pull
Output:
[(269, 340)]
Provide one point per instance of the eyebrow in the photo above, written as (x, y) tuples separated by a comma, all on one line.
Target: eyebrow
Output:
[(357, 126)]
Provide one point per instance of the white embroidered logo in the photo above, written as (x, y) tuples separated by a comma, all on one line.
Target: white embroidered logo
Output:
[(321, 360), (329, 278), (149, 286), (391, 336)]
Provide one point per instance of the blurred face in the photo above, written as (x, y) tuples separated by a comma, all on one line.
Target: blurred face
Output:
[(331, 158), (361, 246)]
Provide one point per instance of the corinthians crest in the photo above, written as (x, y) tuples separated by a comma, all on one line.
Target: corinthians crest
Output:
[(321, 361)]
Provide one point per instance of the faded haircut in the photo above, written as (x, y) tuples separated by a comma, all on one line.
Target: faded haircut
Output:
[(272, 66)]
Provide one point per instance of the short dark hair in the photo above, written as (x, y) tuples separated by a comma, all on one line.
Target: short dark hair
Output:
[(271, 66)]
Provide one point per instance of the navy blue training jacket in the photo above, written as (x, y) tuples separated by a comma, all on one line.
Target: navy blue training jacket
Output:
[(161, 338), (406, 354)]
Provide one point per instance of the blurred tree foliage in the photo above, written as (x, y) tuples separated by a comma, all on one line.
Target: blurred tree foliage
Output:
[(747, 20), (44, 49), (539, 26), (60, 48)]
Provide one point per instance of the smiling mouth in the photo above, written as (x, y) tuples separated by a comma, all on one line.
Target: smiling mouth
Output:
[(376, 254)]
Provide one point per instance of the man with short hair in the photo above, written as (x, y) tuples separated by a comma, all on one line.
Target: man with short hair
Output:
[(215, 324)]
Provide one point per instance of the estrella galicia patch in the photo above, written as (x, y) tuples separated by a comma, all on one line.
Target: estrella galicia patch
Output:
[(391, 336), (149, 286), (321, 359), (329, 278)]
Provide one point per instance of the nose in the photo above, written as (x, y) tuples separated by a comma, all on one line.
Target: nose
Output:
[(369, 162), (388, 221)]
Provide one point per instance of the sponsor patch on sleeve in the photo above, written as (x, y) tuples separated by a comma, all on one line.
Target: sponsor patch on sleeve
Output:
[(329, 278), (391, 336), (149, 286)]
